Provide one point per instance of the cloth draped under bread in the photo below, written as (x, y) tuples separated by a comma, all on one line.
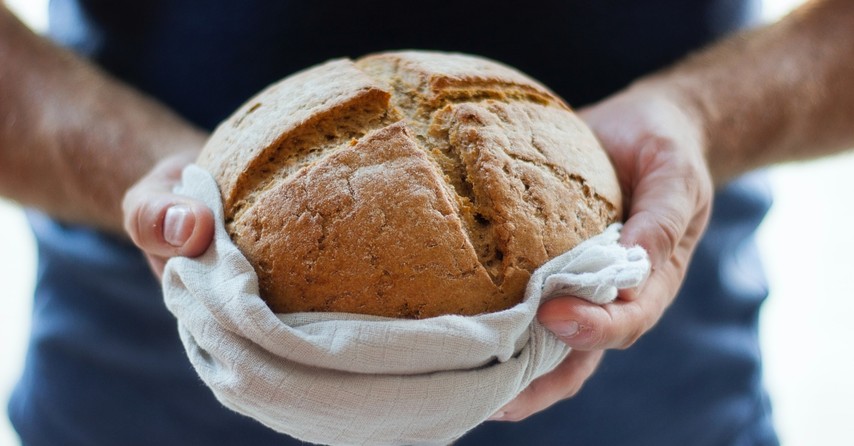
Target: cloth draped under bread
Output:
[(334, 378)]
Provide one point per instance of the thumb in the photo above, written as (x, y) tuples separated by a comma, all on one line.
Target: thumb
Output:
[(164, 224), (168, 225)]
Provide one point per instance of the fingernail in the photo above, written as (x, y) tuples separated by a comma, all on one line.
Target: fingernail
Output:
[(565, 329), (178, 225)]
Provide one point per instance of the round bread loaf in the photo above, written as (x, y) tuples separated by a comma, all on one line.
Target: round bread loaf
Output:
[(407, 184)]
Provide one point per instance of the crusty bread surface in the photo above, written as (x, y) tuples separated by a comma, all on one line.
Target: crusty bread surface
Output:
[(407, 184)]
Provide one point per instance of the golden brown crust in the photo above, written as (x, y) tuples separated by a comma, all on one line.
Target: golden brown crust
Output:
[(407, 184), (266, 129)]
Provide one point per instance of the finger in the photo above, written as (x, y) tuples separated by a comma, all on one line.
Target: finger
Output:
[(168, 225), (672, 195), (668, 213), (586, 326), (164, 224), (561, 383)]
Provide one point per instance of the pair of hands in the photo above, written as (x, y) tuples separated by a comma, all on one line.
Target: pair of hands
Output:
[(657, 148)]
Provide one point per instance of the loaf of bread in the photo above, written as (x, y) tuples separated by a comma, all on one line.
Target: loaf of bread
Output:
[(407, 184)]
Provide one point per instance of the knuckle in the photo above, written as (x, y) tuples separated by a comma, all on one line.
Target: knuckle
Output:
[(668, 232), (699, 184)]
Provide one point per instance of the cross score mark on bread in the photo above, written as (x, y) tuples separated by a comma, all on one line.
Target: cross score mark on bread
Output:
[(407, 184)]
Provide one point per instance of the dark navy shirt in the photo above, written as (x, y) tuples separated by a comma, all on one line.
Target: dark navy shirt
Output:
[(105, 365)]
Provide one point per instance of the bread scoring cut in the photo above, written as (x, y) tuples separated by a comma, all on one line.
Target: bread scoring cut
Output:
[(407, 184)]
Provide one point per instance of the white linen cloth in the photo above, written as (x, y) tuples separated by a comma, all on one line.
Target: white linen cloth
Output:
[(335, 378)]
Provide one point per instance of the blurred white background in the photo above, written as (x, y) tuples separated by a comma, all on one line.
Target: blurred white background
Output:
[(806, 328)]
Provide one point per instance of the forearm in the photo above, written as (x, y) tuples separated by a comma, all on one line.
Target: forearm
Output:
[(72, 139), (778, 93)]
